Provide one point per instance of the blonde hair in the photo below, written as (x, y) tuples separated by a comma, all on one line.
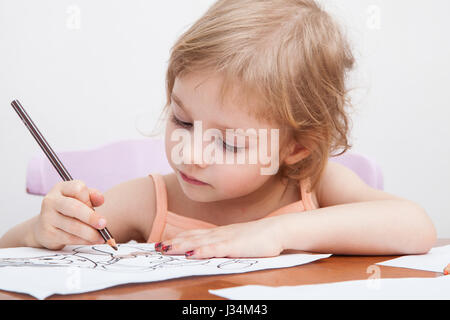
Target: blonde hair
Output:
[(290, 54)]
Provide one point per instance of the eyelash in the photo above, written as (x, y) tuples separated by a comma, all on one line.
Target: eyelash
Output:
[(180, 123), (187, 125)]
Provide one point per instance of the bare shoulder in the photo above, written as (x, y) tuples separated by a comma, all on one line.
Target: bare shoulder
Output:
[(340, 185), (130, 208)]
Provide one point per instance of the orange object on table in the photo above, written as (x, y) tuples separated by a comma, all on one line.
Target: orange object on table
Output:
[(447, 270)]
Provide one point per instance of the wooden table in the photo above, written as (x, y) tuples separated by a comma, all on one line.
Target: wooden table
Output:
[(333, 269)]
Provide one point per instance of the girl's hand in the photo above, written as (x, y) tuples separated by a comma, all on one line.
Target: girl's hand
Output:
[(259, 238), (67, 217)]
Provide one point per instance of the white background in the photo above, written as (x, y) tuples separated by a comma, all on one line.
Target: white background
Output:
[(86, 71)]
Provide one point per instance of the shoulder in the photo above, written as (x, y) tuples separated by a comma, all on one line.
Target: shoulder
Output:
[(340, 185)]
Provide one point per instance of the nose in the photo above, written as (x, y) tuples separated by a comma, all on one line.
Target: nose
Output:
[(192, 156), (202, 165)]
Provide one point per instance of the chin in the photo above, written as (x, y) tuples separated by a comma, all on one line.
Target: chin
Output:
[(193, 192), (197, 196)]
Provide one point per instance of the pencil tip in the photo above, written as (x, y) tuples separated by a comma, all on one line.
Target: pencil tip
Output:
[(113, 244)]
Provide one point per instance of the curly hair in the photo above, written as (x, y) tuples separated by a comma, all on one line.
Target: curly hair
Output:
[(292, 55)]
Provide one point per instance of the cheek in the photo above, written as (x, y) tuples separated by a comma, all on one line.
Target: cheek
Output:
[(238, 180), (169, 144)]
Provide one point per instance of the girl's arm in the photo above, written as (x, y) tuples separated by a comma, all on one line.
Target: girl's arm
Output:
[(357, 219), (130, 208), (354, 219), (66, 216)]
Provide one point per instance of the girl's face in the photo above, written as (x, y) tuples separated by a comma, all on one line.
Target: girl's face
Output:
[(195, 111)]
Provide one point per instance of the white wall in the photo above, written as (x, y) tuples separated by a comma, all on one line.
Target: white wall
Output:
[(86, 78)]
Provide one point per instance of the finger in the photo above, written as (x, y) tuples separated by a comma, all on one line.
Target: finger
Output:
[(182, 245), (76, 189), (167, 246), (96, 197), (74, 208), (214, 250), (183, 241), (70, 239), (78, 229)]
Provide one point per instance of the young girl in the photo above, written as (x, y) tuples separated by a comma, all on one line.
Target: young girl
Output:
[(277, 65)]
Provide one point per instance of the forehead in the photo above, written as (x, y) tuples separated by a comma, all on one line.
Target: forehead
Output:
[(204, 98)]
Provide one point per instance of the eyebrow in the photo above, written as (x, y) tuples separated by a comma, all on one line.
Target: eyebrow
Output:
[(178, 102), (181, 105)]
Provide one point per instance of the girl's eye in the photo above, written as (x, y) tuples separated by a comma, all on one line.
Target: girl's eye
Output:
[(188, 125), (230, 148), (180, 123)]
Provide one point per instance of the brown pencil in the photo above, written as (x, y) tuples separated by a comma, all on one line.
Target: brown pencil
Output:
[(51, 155)]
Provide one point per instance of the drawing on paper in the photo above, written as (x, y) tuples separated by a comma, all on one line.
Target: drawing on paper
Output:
[(131, 258)]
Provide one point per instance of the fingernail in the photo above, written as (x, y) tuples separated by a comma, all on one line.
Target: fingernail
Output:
[(101, 223), (166, 248), (158, 246), (189, 253)]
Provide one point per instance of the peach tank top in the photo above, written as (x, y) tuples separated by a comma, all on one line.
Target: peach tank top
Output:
[(167, 224)]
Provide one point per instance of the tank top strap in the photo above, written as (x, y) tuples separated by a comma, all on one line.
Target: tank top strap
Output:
[(159, 221), (306, 196)]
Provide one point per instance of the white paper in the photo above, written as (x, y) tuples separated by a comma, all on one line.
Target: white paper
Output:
[(77, 269), (435, 260), (370, 289)]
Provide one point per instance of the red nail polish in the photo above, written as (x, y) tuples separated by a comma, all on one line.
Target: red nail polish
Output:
[(158, 245), (166, 248), (189, 253)]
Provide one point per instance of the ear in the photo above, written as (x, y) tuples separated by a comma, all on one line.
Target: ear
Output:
[(296, 154)]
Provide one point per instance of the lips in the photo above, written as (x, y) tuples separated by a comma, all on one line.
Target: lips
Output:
[(191, 179)]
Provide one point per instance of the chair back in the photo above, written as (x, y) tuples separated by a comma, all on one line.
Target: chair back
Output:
[(111, 164)]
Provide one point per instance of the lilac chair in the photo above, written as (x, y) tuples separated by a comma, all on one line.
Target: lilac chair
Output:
[(367, 169), (100, 168), (104, 167)]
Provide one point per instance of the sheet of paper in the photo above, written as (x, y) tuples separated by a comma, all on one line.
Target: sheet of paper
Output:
[(77, 269), (435, 260), (371, 289)]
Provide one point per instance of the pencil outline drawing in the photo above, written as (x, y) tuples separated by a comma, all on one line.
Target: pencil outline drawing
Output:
[(133, 258)]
